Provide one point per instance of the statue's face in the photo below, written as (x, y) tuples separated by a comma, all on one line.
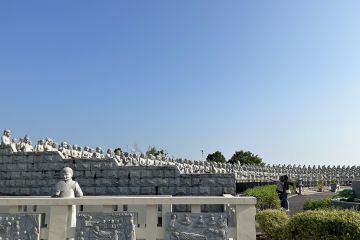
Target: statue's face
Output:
[(67, 176)]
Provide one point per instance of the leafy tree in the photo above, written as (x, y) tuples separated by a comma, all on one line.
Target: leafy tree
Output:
[(117, 149), (153, 151), (216, 157), (245, 158)]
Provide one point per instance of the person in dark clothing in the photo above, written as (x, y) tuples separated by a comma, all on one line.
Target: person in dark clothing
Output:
[(284, 195)]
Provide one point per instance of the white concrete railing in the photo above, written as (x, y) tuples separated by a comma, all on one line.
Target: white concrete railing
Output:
[(55, 212)]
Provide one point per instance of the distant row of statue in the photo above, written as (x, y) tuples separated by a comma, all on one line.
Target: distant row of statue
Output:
[(243, 173)]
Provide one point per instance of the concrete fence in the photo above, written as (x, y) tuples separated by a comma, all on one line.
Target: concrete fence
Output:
[(151, 210)]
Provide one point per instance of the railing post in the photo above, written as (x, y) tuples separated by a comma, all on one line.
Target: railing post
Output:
[(195, 208), (245, 222), (58, 223), (166, 208), (151, 222)]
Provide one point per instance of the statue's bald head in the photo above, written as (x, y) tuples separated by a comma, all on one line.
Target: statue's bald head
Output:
[(67, 170)]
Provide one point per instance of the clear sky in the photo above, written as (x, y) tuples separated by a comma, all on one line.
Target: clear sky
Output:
[(278, 78)]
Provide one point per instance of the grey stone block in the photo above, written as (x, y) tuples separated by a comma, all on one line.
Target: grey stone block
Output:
[(19, 183), (134, 182), (112, 190), (216, 191), (123, 190), (13, 191), (195, 181), (88, 190), (123, 181), (144, 173), (135, 174), (195, 191), (157, 173), (24, 191), (82, 165), (89, 174), (15, 175), (47, 191), (79, 174), (183, 191), (185, 181), (100, 190), (21, 166), (356, 188), (4, 191), (110, 173), (147, 190), (173, 181), (10, 167), (134, 190), (204, 191), (123, 173)]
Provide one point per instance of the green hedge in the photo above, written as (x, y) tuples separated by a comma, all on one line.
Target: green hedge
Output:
[(325, 224), (347, 195), (318, 204), (266, 197), (273, 223)]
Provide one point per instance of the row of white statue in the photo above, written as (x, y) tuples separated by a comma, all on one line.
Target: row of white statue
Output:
[(243, 173)]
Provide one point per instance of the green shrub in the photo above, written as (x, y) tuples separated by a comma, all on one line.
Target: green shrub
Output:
[(324, 225), (273, 223), (292, 187), (266, 197), (318, 204), (346, 195)]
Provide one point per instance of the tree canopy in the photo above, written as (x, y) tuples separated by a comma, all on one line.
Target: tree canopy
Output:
[(216, 157), (153, 151), (247, 157)]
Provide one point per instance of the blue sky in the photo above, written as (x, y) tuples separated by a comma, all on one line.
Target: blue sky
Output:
[(278, 78)]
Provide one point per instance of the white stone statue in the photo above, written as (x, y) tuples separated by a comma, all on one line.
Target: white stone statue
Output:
[(97, 153), (48, 145), (13, 145), (40, 146), (64, 148), (74, 151), (5, 138), (68, 188), (117, 157), (79, 152), (85, 153), (23, 143), (109, 153), (28, 146)]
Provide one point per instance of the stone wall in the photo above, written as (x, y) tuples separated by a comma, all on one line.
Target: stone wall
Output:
[(35, 174), (356, 188)]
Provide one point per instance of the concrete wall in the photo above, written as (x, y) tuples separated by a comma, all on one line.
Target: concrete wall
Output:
[(35, 174), (240, 212)]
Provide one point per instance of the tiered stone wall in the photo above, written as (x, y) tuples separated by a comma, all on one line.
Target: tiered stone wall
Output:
[(36, 173)]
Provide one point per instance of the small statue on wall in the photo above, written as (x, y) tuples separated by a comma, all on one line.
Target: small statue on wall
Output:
[(40, 146), (13, 145), (5, 138), (67, 188)]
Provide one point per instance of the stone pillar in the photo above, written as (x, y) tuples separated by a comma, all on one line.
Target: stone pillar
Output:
[(58, 224), (151, 222), (356, 188), (195, 208), (245, 222)]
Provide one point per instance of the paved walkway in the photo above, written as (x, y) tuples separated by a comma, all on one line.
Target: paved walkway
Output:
[(296, 202)]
